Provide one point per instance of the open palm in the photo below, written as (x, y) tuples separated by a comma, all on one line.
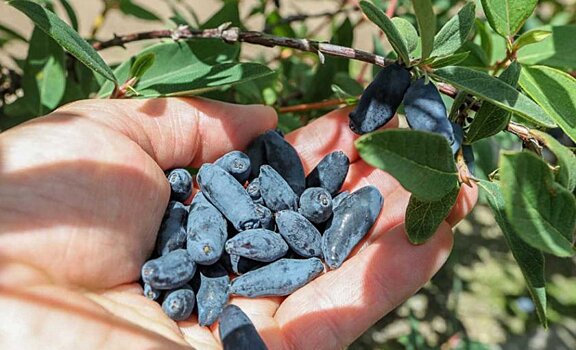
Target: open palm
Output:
[(82, 194)]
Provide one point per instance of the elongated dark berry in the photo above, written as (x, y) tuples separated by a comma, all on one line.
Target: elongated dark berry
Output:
[(279, 278), (206, 231), (330, 173), (351, 220), (228, 195), (380, 99), (237, 332)]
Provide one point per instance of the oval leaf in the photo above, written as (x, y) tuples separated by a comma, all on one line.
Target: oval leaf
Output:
[(455, 32), (491, 119), (379, 18), (555, 92), (44, 79), (421, 161), (426, 25), (408, 32), (449, 60), (566, 160), (495, 91), (185, 68), (558, 50), (424, 217), (529, 259), (506, 17), (141, 65), (531, 37), (540, 210), (64, 36)]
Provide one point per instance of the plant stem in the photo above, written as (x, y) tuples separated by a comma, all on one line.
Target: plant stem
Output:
[(234, 34), (312, 106)]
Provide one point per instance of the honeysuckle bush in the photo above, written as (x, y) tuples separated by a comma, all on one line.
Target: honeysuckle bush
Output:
[(504, 69)]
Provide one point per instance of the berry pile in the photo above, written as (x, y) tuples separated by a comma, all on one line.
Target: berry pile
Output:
[(257, 227)]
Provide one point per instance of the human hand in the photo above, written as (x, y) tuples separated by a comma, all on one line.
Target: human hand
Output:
[(83, 193)]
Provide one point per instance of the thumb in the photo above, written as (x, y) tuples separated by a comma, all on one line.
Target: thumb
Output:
[(178, 132)]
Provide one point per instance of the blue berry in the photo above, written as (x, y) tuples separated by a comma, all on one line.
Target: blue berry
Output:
[(169, 271), (172, 233), (380, 99), (236, 164), (426, 111), (338, 199), (212, 295), (351, 221), (180, 182), (330, 173), (178, 304), (280, 278), (228, 195), (237, 332), (299, 233), (206, 231), (257, 244), (276, 192), (316, 204)]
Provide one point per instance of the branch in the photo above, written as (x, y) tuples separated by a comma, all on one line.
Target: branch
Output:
[(234, 34), (312, 106)]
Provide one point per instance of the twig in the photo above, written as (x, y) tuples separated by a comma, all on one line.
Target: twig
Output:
[(99, 20), (234, 34), (312, 106), (524, 133)]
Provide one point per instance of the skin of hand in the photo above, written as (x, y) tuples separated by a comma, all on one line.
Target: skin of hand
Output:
[(83, 192)]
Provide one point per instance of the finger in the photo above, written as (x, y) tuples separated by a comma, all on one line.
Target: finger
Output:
[(179, 132), (326, 134), (467, 198), (337, 307)]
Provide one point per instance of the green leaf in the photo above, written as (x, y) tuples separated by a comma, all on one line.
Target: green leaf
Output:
[(529, 259), (421, 161), (16, 113), (566, 160), (476, 57), (64, 36), (424, 217), (141, 65), (128, 7), (192, 67), (506, 17), (531, 37), (12, 34), (491, 119), (449, 60), (542, 211), (379, 18), (426, 25), (558, 50), (44, 79), (455, 32), (495, 91), (407, 31), (229, 12), (486, 42), (555, 92), (70, 13)]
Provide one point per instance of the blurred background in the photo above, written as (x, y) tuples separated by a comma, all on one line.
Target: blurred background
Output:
[(478, 300)]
